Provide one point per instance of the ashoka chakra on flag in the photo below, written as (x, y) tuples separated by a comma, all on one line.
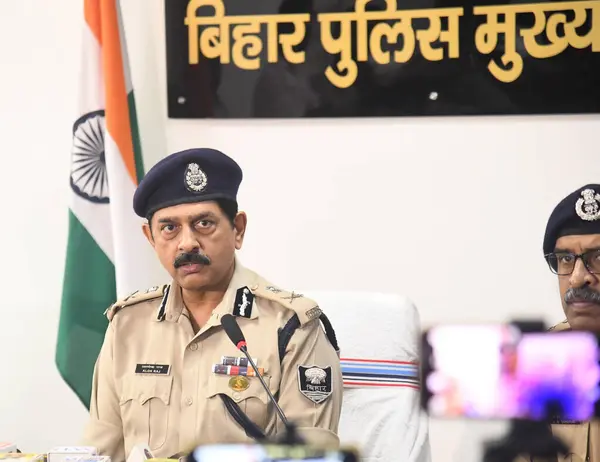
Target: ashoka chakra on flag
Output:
[(89, 179)]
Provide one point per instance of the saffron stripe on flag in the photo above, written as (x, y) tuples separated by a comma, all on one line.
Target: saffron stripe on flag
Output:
[(379, 373), (116, 71)]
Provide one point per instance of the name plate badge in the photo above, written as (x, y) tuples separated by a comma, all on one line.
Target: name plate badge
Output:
[(153, 369)]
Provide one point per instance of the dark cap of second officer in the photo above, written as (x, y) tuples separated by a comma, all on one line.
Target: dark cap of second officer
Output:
[(193, 175), (578, 213)]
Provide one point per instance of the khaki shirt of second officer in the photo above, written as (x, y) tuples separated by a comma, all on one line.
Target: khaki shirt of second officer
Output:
[(181, 409), (582, 439)]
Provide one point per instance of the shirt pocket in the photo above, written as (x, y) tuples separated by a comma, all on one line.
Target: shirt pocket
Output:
[(145, 404), (253, 401), (575, 436)]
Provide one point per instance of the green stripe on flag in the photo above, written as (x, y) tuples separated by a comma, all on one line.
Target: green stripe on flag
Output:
[(89, 288), (135, 135)]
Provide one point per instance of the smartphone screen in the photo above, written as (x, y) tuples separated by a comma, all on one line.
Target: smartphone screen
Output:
[(269, 453), (497, 372)]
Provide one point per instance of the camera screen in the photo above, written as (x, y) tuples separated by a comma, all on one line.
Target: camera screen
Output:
[(269, 453), (497, 372)]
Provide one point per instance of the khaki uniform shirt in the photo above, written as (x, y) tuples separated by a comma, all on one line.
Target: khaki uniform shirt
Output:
[(154, 382), (583, 440)]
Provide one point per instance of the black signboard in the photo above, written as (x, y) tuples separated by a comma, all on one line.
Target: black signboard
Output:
[(364, 58)]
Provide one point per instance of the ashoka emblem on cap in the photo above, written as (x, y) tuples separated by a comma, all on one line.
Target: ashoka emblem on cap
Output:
[(195, 178), (587, 206)]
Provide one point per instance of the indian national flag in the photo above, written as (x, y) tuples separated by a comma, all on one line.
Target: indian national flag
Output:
[(107, 254)]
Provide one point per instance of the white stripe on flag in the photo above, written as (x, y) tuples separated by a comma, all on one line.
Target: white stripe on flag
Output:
[(95, 218), (91, 91), (136, 265)]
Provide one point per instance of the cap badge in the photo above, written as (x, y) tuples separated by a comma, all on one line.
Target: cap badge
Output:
[(195, 178), (587, 206)]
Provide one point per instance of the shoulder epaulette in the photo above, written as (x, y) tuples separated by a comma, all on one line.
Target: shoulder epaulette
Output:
[(306, 309), (562, 326), (134, 298)]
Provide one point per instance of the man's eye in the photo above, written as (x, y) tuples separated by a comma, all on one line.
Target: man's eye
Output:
[(168, 228), (205, 223), (565, 258)]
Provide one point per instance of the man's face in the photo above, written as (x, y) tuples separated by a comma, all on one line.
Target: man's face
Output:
[(580, 290), (196, 243)]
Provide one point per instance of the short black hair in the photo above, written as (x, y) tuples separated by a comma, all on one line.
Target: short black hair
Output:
[(227, 206)]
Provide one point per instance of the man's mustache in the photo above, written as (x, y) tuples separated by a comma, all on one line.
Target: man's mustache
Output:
[(582, 294), (191, 257)]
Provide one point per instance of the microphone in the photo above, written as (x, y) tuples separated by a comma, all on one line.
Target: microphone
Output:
[(233, 331)]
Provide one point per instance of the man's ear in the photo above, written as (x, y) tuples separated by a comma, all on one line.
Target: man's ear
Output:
[(148, 233), (239, 224)]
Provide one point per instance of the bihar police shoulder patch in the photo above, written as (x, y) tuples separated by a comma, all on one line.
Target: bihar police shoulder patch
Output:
[(315, 382)]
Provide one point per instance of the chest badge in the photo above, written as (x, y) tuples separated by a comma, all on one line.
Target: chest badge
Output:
[(239, 383)]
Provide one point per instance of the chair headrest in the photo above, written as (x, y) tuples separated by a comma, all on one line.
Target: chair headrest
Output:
[(372, 325)]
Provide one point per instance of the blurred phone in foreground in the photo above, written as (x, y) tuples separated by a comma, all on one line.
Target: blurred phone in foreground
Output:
[(497, 372), (268, 453)]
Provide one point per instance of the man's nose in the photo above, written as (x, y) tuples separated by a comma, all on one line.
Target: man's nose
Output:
[(580, 275), (188, 242)]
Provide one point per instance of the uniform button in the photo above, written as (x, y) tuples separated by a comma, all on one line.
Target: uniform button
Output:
[(189, 401), (236, 395), (254, 287), (194, 346)]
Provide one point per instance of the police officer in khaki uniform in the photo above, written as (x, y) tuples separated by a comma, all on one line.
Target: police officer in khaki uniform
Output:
[(168, 375), (572, 250)]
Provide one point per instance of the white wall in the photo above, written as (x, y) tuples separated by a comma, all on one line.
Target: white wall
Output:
[(449, 211)]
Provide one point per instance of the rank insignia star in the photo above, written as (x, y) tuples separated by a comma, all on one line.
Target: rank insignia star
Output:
[(293, 297)]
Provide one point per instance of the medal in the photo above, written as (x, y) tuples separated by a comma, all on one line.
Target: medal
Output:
[(238, 383)]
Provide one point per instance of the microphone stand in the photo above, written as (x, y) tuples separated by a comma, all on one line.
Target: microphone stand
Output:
[(530, 438), (291, 436), (525, 438)]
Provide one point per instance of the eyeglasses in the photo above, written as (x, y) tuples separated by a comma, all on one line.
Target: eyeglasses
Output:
[(563, 263)]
